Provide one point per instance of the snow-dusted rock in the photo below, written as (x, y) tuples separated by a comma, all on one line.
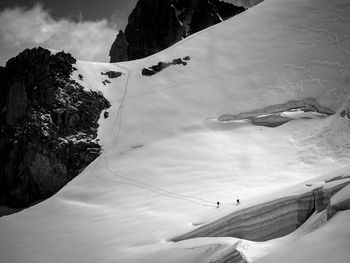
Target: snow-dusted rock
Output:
[(48, 125)]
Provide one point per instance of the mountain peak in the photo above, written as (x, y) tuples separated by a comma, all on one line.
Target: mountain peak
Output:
[(155, 25)]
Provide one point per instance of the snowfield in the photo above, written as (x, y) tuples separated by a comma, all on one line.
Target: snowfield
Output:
[(168, 158)]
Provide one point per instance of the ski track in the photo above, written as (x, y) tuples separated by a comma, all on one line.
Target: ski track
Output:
[(118, 119), (152, 188)]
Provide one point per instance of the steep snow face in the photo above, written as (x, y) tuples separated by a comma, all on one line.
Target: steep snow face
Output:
[(167, 158), (275, 52)]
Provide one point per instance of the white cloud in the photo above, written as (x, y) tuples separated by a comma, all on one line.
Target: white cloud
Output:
[(22, 28)]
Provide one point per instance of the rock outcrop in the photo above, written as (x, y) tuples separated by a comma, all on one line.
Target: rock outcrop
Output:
[(112, 74), (154, 69), (48, 126), (155, 25), (272, 219)]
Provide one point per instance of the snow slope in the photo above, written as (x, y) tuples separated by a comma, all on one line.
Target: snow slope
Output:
[(167, 159)]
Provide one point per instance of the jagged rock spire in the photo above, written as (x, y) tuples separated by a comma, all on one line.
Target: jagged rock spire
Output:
[(119, 49), (154, 25)]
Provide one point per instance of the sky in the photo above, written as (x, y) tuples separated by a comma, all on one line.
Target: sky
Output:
[(85, 28)]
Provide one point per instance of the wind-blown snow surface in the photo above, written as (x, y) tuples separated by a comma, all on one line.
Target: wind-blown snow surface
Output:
[(167, 159)]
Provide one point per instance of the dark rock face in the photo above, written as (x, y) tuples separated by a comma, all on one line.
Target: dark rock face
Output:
[(119, 49), (48, 126), (152, 26), (155, 25)]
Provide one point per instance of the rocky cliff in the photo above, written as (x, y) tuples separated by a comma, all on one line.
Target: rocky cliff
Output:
[(155, 25), (48, 126), (119, 49)]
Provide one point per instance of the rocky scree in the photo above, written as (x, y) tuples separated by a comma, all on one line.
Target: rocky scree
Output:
[(48, 126)]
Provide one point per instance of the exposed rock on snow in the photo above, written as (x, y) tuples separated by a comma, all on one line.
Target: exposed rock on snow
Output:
[(272, 219), (162, 65), (155, 25), (48, 126), (112, 74)]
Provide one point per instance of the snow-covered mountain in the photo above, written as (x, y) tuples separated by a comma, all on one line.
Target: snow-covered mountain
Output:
[(206, 127), (155, 25)]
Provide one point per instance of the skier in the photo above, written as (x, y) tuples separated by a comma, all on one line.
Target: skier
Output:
[(217, 204), (238, 202)]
